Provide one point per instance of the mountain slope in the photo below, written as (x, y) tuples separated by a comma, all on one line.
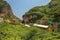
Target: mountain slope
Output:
[(6, 14), (11, 31), (51, 10), (45, 15), (5, 9)]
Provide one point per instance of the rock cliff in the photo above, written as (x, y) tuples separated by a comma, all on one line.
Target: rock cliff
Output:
[(5, 10), (6, 13)]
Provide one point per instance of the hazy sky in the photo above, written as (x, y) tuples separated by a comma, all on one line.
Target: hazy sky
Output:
[(19, 7)]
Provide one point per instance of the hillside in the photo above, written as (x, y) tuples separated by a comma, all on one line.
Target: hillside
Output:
[(5, 9), (51, 11), (12, 29), (20, 32), (6, 14), (46, 15)]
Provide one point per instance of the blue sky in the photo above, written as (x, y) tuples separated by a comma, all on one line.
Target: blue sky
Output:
[(19, 7)]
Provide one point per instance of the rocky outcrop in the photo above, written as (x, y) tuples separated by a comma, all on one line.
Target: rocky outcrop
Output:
[(5, 10), (6, 13)]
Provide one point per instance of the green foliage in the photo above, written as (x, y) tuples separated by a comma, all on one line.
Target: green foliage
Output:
[(20, 32), (52, 10), (3, 4), (10, 31)]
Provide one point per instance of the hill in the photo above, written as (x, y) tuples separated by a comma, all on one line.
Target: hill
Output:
[(45, 15), (5, 9), (18, 31), (21, 32), (6, 14)]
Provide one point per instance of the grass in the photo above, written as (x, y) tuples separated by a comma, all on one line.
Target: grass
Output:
[(20, 32)]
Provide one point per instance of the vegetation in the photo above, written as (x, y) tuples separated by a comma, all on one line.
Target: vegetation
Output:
[(20, 32), (47, 15)]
